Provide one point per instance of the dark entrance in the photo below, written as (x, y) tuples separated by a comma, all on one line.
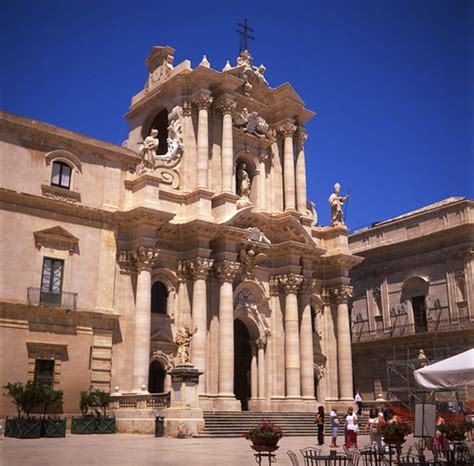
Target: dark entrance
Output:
[(156, 378), (242, 356), (419, 314)]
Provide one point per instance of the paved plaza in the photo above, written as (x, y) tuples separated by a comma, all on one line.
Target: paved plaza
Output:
[(142, 450)]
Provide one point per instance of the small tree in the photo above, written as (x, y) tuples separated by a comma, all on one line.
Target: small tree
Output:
[(102, 399), (16, 391), (32, 398), (50, 398), (84, 403)]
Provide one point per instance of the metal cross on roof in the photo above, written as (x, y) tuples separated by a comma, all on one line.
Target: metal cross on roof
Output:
[(244, 35)]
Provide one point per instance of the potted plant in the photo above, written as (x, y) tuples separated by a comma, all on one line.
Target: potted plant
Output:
[(103, 424), (265, 435), (52, 400), (25, 397), (85, 423), (394, 432), (453, 432)]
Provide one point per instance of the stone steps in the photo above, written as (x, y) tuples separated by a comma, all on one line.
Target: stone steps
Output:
[(237, 423)]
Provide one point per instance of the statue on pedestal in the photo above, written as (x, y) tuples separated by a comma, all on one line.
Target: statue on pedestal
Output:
[(183, 340), (336, 202)]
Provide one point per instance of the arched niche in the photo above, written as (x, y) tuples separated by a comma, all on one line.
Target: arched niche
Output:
[(157, 120), (170, 283)]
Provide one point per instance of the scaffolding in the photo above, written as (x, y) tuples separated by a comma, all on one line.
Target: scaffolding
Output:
[(401, 387)]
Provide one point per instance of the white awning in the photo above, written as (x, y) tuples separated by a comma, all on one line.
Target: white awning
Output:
[(456, 371)]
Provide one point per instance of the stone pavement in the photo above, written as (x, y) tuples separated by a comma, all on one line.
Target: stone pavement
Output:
[(142, 450)]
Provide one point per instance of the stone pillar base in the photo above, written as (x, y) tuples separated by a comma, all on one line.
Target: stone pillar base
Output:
[(226, 404), (183, 422)]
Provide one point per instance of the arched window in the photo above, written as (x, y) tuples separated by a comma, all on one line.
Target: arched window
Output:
[(156, 377), (61, 175), (159, 298)]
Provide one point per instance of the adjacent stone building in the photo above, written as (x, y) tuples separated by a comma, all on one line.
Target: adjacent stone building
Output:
[(200, 218), (413, 291)]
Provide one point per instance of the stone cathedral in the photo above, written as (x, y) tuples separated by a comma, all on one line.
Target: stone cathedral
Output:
[(198, 225)]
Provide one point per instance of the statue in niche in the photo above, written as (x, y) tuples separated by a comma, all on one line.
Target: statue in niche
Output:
[(244, 182), (183, 340), (460, 281), (148, 150), (336, 201)]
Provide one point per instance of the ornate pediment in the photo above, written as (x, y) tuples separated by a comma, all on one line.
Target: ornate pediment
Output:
[(56, 238)]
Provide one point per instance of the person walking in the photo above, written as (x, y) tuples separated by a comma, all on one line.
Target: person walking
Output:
[(358, 401), (320, 423), (352, 427), (334, 427)]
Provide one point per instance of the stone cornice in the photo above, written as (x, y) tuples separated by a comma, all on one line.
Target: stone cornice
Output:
[(59, 138)]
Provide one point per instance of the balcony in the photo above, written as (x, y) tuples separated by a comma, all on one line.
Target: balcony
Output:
[(63, 300), (362, 334), (156, 401)]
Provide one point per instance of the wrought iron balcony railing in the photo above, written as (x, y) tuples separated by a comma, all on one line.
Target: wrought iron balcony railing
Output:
[(63, 300), (361, 332)]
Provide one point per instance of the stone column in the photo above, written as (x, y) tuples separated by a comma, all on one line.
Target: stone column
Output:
[(344, 350), (330, 379), (199, 270), (226, 272), (287, 130), (226, 106), (144, 259), (277, 340), (203, 102), (306, 342), (261, 198), (253, 372), (300, 173), (290, 284), (260, 344)]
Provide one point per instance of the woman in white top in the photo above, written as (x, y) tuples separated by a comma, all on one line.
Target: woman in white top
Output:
[(352, 428), (375, 419)]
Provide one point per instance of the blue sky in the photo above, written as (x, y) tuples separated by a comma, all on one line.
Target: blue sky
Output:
[(391, 81)]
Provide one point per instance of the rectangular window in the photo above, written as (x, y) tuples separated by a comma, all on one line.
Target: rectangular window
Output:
[(44, 372), (61, 175), (419, 314), (51, 281)]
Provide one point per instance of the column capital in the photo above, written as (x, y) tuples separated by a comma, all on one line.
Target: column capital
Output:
[(274, 285), (125, 260), (203, 101), (187, 108), (260, 343), (339, 294), (226, 105), (301, 136), (308, 286), (250, 259), (199, 268), (226, 271), (290, 283), (144, 258), (287, 129), (262, 156), (181, 272)]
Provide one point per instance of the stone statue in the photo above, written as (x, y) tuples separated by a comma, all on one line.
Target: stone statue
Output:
[(336, 202), (423, 359), (252, 123), (260, 71), (244, 182), (183, 340), (250, 260), (255, 234), (148, 149)]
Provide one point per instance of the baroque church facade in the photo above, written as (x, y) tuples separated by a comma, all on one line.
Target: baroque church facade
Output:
[(200, 220)]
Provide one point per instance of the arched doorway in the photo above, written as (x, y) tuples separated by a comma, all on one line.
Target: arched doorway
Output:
[(242, 357), (156, 378)]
